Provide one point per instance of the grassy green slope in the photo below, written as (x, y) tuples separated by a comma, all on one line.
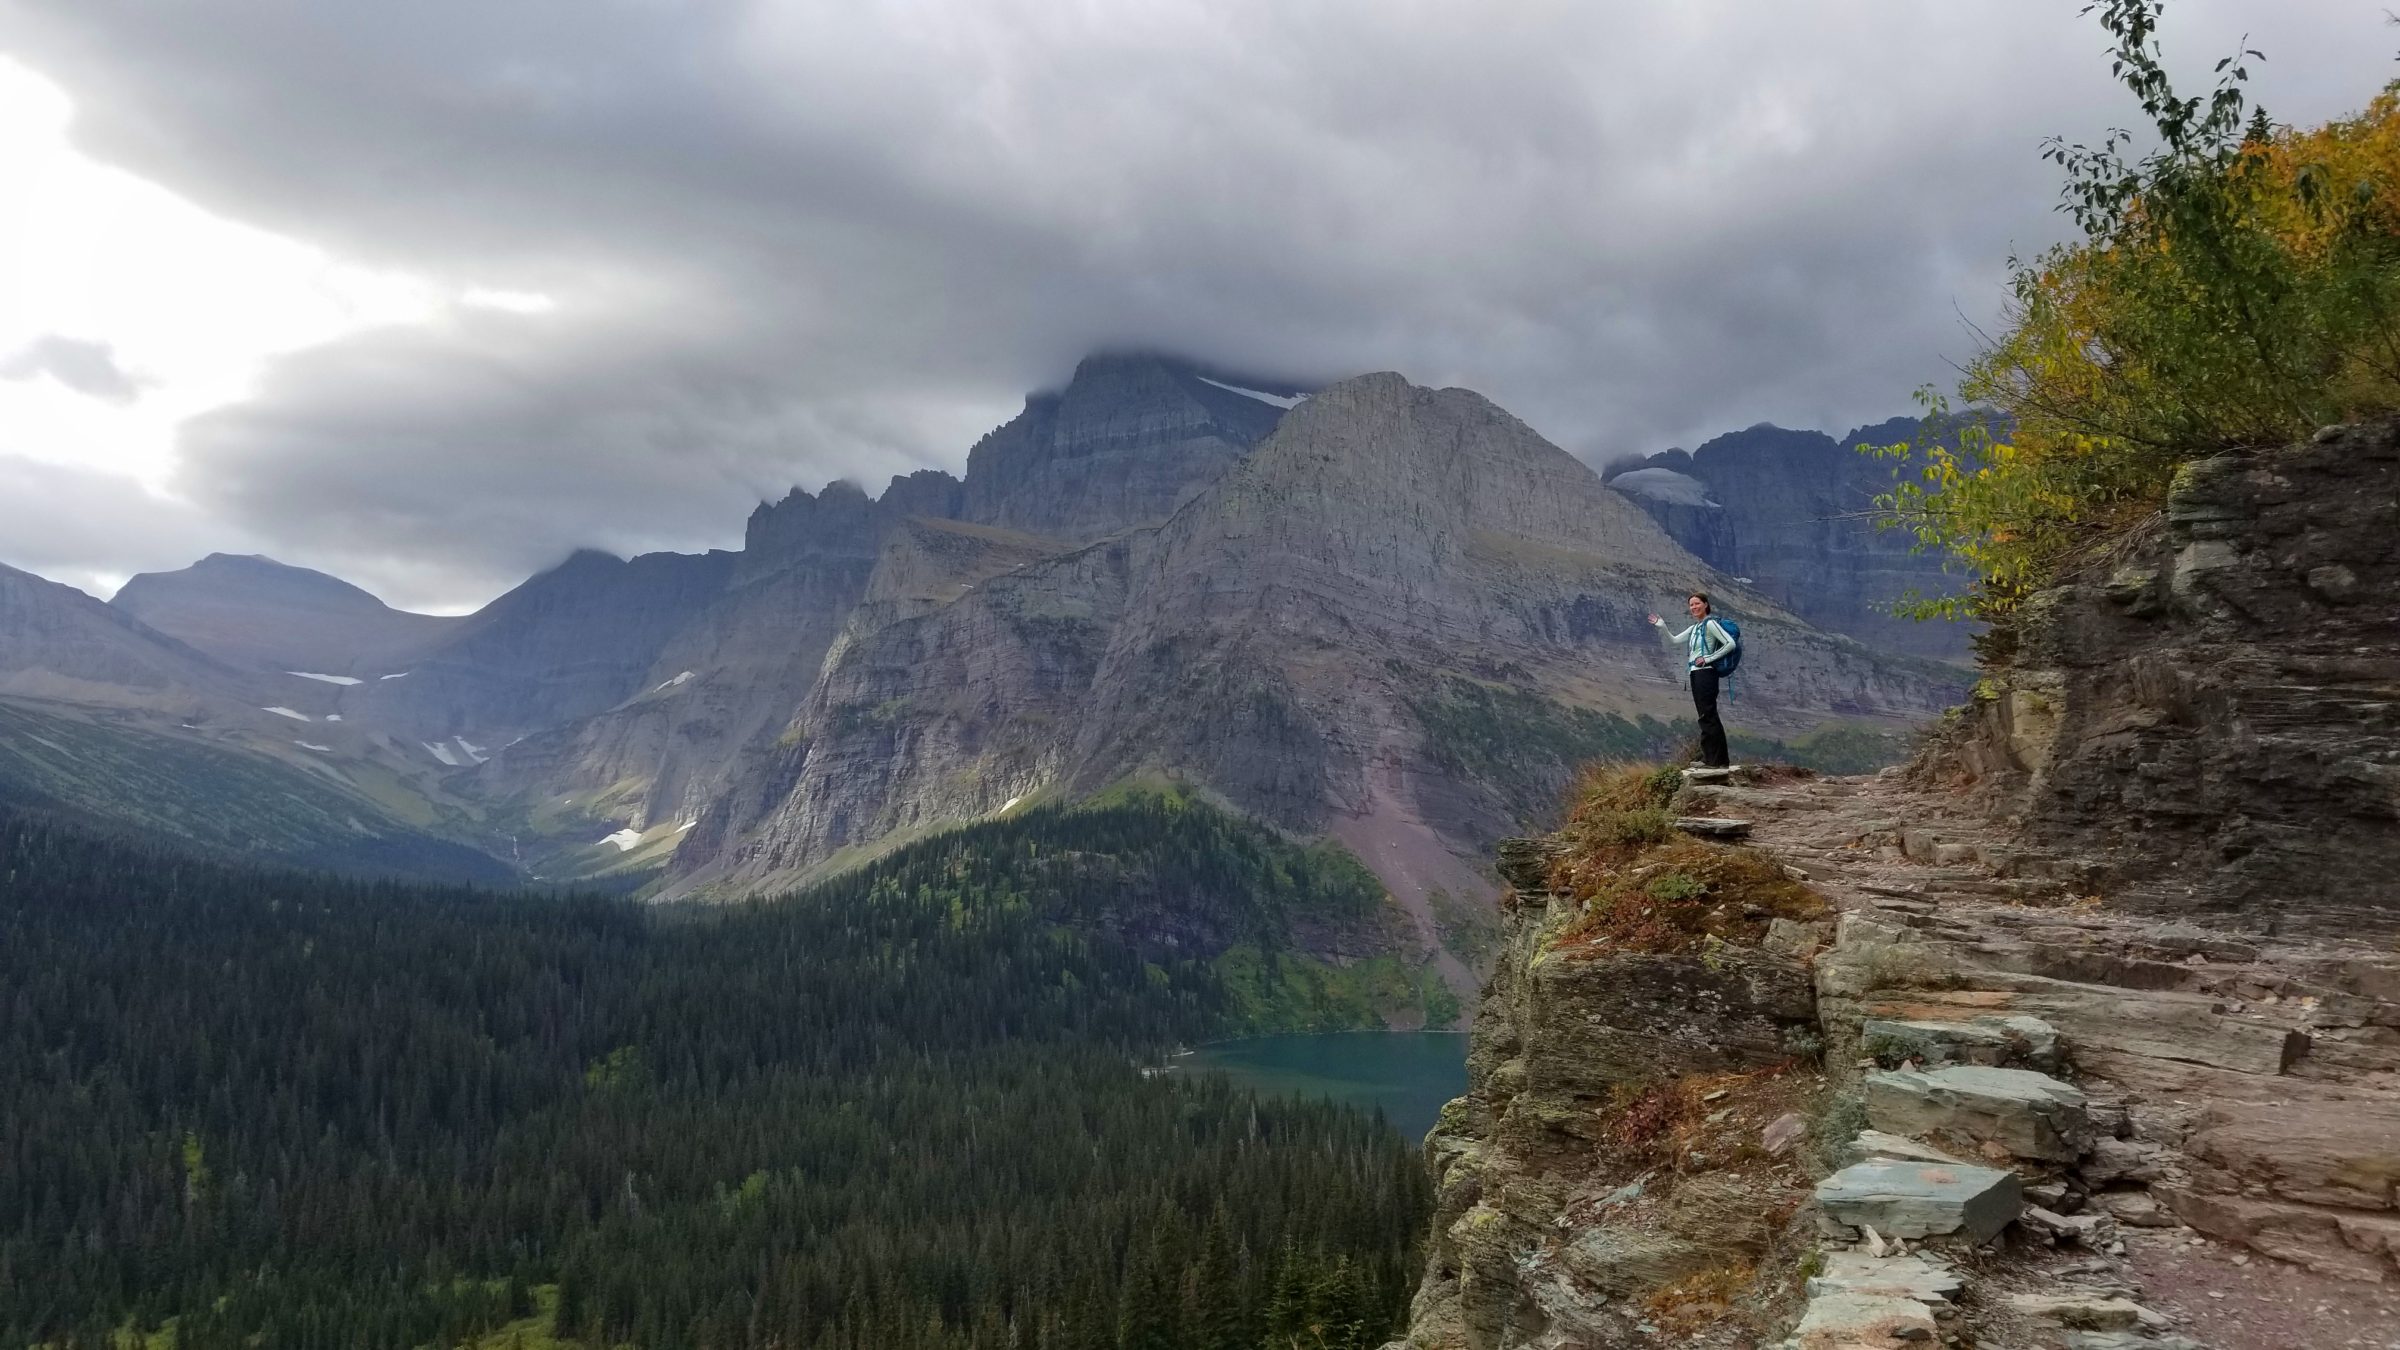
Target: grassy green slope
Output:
[(214, 800)]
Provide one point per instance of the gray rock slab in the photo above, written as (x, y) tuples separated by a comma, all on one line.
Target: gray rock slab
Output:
[(1863, 1322), (2032, 1115), (1994, 1041), (2123, 1160), (2114, 1028), (1920, 1200), (1907, 1276), (2089, 1230), (1713, 827)]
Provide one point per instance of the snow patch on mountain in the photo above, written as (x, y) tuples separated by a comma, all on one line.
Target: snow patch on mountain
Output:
[(1663, 485), (1279, 400), (328, 679)]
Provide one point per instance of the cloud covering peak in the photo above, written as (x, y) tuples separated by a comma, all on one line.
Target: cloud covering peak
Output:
[(669, 259)]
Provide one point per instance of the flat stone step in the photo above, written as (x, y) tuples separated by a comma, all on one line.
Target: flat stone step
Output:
[(1920, 1200), (1713, 827), (1999, 1041), (1864, 1322), (1909, 1275), (2032, 1115)]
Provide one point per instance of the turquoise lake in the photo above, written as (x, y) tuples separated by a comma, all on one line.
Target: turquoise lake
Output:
[(1409, 1074)]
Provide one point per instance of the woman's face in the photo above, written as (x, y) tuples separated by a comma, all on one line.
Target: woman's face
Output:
[(1697, 606)]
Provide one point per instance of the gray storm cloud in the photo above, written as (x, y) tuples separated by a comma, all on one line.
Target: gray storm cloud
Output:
[(794, 241), (88, 368)]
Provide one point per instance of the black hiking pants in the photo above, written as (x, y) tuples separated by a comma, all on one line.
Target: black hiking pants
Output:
[(1712, 731)]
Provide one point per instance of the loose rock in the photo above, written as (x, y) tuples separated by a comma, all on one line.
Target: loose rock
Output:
[(2032, 1115), (1918, 1200)]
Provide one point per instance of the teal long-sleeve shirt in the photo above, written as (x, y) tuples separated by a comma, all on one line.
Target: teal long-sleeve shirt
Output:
[(1705, 642)]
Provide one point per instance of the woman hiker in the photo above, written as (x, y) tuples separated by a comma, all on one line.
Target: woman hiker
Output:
[(1706, 643)]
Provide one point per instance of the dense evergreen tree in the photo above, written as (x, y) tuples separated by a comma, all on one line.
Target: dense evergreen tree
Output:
[(902, 1110)]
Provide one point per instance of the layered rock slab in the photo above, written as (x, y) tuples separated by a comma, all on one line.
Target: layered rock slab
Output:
[(2030, 1115), (1920, 1200)]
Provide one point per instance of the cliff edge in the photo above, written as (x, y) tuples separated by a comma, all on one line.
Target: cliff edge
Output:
[(2083, 1032)]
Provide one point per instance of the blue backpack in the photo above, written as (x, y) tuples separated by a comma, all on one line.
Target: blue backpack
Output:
[(1732, 660)]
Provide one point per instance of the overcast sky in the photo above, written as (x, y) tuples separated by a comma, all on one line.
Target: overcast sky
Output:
[(427, 293)]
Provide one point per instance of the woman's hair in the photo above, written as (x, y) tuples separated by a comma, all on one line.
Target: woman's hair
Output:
[(1702, 597)]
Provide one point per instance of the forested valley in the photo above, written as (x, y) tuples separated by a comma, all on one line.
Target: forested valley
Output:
[(903, 1110)]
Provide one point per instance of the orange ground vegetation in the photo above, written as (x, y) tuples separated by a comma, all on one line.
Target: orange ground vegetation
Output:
[(1642, 887)]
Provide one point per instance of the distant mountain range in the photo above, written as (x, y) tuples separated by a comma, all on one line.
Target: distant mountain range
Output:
[(1792, 511), (1376, 613)]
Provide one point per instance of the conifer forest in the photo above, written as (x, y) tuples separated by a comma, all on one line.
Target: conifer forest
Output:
[(907, 1109)]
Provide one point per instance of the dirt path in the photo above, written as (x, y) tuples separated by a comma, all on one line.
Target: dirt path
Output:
[(2258, 1077)]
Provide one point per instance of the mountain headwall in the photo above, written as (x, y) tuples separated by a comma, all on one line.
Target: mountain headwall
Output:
[(1127, 441), (1792, 511), (2218, 715)]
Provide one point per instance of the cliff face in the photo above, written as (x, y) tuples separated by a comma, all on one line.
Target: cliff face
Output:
[(1127, 441), (1791, 511), (569, 643), (2218, 716), (950, 695), (730, 674), (1577, 1199)]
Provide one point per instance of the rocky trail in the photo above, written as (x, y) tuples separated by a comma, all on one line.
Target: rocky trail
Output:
[(2200, 1128), (2081, 1033), (2039, 1122)]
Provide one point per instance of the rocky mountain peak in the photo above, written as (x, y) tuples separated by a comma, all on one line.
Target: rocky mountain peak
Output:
[(231, 577), (256, 612), (1130, 438), (927, 492), (839, 521), (1439, 465)]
